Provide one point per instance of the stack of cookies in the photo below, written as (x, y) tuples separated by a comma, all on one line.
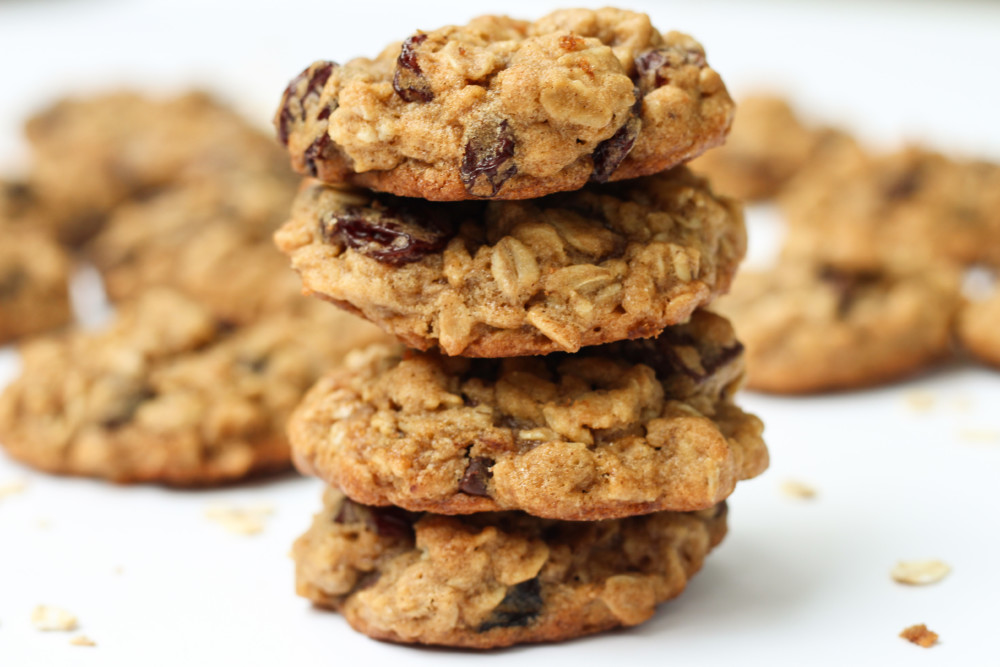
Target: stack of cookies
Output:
[(547, 452)]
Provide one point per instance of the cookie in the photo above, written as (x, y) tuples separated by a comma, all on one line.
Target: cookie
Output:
[(978, 326), (608, 432), (34, 283), (909, 207), (507, 109), (90, 154), (496, 579), (767, 146), (810, 328), (502, 279), (168, 393), (208, 241)]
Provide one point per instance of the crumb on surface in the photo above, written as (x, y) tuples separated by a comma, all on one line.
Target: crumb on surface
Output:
[(979, 435), (49, 619), (82, 640), (239, 520), (795, 489), (920, 572), (919, 401), (12, 488), (920, 635)]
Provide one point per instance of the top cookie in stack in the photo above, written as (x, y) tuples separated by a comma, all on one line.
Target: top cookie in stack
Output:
[(508, 109), (505, 110)]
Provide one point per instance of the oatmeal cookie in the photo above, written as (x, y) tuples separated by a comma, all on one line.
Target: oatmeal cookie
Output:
[(34, 283), (611, 431), (496, 579), (513, 278), (90, 154), (979, 327), (206, 241), (810, 328), (767, 146), (168, 393), (507, 109), (908, 207)]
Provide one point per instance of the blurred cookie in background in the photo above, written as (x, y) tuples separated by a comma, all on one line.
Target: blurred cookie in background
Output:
[(34, 269), (90, 154), (978, 326), (813, 328), (170, 393), (907, 207), (767, 146), (211, 241)]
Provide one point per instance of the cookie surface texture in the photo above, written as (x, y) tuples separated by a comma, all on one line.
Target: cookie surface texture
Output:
[(608, 432), (502, 279), (507, 109), (496, 579)]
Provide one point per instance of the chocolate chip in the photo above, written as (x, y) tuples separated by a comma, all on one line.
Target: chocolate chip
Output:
[(610, 152), (519, 607), (293, 102), (408, 81), (477, 475), (488, 161), (394, 231)]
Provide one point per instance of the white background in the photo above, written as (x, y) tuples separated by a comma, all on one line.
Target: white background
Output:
[(796, 582)]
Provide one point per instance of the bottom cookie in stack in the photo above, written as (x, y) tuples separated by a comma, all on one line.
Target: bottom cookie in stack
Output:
[(498, 578)]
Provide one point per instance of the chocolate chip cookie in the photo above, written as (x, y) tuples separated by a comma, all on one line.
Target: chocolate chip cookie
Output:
[(211, 241), (168, 393), (767, 146), (513, 278), (608, 432), (908, 207), (90, 154), (496, 579), (979, 326), (811, 328), (507, 109)]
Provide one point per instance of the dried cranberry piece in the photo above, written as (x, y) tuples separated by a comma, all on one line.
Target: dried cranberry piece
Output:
[(653, 67), (476, 476), (293, 101), (318, 150), (393, 522), (519, 607), (904, 185), (394, 234), (847, 285), (488, 160), (610, 152), (386, 521), (408, 81)]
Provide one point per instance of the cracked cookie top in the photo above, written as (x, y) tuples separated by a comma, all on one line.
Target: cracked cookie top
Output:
[(496, 579), (507, 109), (611, 431), (514, 278), (168, 393)]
